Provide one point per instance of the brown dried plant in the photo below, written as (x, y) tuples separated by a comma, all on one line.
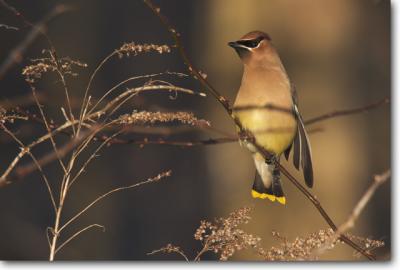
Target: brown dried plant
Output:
[(134, 49), (85, 129), (145, 117), (307, 248), (224, 235), (40, 66), (91, 122), (225, 238)]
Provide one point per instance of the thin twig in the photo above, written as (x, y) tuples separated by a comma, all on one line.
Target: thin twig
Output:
[(176, 37), (363, 109), (92, 156), (201, 252), (97, 114), (15, 56), (349, 223), (60, 73), (161, 141), (53, 142), (85, 102), (17, 102), (129, 80), (378, 181), (268, 106), (24, 170), (8, 27), (78, 233), (24, 149), (232, 138), (64, 189), (323, 213), (170, 249), (149, 180), (48, 229)]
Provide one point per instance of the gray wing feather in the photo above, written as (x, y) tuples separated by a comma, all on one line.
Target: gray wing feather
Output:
[(287, 151), (301, 146), (296, 149)]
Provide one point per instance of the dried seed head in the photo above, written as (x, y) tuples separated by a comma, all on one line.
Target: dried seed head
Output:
[(134, 49), (145, 117), (306, 248), (10, 117), (224, 237), (40, 66)]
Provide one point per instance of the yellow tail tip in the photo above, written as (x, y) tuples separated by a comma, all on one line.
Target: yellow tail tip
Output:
[(256, 194), (281, 200)]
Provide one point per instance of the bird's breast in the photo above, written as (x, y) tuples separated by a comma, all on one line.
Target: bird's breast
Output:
[(267, 95)]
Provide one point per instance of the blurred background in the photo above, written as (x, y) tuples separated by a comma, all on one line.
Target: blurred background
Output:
[(337, 52)]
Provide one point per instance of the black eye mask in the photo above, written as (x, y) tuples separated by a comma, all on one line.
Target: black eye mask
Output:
[(251, 43)]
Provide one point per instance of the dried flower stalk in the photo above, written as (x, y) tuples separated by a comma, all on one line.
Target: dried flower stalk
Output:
[(43, 65), (134, 49), (146, 117)]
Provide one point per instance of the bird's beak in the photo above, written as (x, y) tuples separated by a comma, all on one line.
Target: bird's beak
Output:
[(236, 45)]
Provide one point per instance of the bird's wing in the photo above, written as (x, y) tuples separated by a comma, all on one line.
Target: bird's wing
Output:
[(301, 146)]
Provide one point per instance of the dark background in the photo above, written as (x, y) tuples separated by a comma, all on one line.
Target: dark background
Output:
[(337, 52)]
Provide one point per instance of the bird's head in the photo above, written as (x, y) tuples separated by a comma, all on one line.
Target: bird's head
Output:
[(253, 47)]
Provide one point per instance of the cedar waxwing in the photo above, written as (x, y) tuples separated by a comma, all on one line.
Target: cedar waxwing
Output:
[(265, 83)]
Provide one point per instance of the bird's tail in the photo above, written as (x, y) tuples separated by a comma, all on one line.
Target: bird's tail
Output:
[(267, 183)]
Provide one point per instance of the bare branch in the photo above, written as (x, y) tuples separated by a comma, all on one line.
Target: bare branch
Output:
[(148, 76), (150, 180), (53, 142), (349, 223), (20, 101), (8, 27), (170, 249), (97, 114), (92, 156), (378, 181), (363, 109), (15, 55), (78, 233), (198, 75), (24, 170), (24, 150), (126, 49)]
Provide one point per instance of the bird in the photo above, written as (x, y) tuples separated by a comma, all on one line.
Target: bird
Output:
[(266, 106)]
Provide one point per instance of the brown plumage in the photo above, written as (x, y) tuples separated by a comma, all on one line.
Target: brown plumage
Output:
[(265, 82)]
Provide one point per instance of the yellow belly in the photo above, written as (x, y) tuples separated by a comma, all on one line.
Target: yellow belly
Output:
[(273, 130)]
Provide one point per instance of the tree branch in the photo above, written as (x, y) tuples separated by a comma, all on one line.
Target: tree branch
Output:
[(349, 223), (225, 103), (337, 113), (15, 55)]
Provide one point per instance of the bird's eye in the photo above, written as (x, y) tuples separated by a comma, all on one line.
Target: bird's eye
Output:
[(252, 43)]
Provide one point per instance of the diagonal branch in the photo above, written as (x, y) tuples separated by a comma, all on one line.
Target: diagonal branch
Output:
[(377, 182), (24, 170), (24, 149), (349, 223), (313, 199), (78, 233), (225, 103), (96, 114), (150, 180), (176, 37), (15, 55), (363, 109)]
